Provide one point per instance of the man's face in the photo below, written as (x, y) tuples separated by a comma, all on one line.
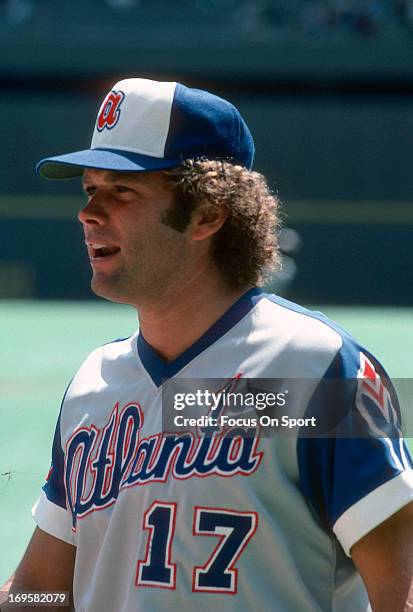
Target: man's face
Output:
[(134, 256)]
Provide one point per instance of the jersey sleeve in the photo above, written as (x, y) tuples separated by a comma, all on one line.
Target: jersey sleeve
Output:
[(359, 473), (50, 510)]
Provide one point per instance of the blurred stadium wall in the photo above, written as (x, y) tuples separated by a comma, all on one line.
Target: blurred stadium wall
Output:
[(326, 86)]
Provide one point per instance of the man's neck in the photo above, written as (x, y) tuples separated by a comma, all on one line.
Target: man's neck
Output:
[(176, 321)]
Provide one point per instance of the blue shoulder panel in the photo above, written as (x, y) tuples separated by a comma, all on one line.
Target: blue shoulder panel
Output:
[(337, 471), (365, 449)]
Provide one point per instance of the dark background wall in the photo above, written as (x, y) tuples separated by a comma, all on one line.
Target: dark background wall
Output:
[(328, 96)]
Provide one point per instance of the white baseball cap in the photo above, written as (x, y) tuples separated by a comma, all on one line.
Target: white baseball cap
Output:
[(145, 125)]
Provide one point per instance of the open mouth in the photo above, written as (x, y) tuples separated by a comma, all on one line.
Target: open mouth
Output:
[(101, 251)]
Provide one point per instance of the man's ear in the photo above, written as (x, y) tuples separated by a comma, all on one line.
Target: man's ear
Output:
[(207, 223)]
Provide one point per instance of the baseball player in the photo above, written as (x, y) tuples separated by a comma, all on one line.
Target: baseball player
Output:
[(217, 513)]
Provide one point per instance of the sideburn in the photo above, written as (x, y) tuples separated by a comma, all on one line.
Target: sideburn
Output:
[(178, 215)]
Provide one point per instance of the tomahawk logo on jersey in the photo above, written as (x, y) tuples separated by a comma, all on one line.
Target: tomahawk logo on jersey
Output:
[(374, 402), (166, 522)]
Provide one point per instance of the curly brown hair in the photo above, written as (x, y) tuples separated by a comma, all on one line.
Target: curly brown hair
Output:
[(245, 249)]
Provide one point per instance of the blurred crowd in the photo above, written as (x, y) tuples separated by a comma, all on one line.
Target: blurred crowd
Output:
[(364, 17)]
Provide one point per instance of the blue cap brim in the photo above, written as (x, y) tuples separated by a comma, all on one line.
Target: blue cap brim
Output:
[(72, 165)]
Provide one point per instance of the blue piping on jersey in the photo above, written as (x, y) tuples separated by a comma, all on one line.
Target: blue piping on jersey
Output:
[(160, 370)]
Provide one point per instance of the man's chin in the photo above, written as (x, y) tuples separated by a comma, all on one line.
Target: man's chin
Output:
[(107, 290)]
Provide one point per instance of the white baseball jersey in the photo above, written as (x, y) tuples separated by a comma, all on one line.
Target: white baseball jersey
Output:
[(222, 522)]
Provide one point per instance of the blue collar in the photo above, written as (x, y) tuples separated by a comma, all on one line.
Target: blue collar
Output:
[(160, 370)]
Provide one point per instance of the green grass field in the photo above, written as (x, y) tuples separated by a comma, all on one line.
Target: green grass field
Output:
[(43, 345)]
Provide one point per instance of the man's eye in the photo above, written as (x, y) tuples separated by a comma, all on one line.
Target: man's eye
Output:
[(121, 189)]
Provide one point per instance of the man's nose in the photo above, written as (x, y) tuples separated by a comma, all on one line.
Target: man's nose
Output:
[(93, 212)]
